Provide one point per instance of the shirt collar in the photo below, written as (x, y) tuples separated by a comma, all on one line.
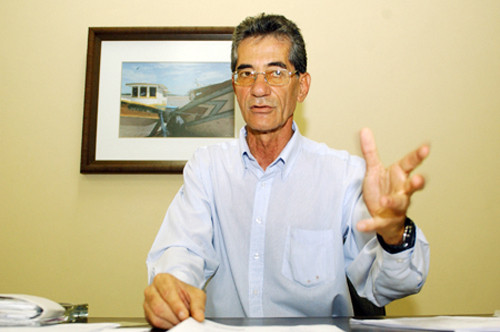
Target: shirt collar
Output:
[(286, 158)]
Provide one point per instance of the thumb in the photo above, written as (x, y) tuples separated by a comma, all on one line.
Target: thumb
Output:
[(366, 225), (197, 305)]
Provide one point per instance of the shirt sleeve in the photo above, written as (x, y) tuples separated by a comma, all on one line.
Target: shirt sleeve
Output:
[(183, 245), (383, 277)]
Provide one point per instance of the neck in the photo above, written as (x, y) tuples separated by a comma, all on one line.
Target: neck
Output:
[(267, 146)]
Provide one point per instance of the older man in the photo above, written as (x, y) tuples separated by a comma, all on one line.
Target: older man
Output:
[(271, 223)]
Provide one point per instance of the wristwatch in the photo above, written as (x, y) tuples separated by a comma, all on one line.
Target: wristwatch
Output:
[(408, 239)]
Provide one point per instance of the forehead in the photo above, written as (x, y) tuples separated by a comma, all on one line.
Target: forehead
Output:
[(262, 51)]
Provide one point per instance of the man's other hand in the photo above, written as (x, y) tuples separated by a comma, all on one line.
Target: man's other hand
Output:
[(168, 301)]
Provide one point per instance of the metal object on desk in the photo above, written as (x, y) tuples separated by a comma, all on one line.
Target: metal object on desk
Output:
[(76, 313)]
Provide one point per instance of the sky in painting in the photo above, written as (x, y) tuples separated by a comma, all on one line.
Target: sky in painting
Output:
[(178, 77)]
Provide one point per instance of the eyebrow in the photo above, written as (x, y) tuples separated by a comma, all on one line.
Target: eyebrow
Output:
[(270, 64), (244, 66), (277, 64)]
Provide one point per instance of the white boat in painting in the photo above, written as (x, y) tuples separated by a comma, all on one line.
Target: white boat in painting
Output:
[(149, 111)]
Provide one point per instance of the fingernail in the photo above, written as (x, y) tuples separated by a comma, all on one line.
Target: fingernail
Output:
[(182, 315), (199, 315)]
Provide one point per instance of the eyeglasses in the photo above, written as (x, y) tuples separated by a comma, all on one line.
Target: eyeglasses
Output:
[(274, 77)]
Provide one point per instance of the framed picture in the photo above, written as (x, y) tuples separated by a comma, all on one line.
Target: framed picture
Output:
[(153, 95)]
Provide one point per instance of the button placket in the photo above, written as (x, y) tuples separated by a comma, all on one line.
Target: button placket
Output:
[(257, 250)]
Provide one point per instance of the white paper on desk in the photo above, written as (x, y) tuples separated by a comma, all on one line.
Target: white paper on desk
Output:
[(439, 323), (29, 310), (73, 327), (191, 325)]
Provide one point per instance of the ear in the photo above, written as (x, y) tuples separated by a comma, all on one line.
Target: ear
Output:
[(304, 84)]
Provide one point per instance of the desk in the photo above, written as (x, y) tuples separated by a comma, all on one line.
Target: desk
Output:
[(340, 322)]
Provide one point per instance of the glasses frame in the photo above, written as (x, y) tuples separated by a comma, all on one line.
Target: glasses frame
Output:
[(264, 73)]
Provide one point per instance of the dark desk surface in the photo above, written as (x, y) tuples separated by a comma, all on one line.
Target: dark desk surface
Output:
[(340, 322)]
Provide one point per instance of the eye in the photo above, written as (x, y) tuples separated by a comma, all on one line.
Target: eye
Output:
[(276, 73), (245, 73)]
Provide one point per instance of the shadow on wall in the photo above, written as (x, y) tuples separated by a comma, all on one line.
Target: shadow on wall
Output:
[(300, 118), (403, 307)]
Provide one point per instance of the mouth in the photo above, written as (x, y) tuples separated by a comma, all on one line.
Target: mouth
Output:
[(261, 108)]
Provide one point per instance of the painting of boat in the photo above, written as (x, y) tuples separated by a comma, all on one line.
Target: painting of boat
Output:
[(149, 111)]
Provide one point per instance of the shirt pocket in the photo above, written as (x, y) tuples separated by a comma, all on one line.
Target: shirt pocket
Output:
[(309, 256)]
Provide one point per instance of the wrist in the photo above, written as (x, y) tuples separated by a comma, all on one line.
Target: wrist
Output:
[(407, 240), (395, 239), (394, 235)]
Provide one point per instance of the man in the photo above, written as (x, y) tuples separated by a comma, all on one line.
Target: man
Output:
[(271, 224)]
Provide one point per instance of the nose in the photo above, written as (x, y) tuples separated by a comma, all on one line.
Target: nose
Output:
[(260, 87)]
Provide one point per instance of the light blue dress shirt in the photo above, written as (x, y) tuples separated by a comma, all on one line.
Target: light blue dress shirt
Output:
[(279, 242)]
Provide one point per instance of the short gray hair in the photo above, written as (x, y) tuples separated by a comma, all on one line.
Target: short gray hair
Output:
[(271, 25)]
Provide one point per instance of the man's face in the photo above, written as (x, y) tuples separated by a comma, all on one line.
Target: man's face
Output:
[(267, 108)]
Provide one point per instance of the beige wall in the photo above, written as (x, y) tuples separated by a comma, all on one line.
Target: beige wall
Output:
[(413, 71)]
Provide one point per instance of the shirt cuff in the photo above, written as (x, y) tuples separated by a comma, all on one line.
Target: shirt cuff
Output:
[(181, 263)]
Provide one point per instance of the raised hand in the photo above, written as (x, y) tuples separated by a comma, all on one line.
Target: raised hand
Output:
[(387, 191)]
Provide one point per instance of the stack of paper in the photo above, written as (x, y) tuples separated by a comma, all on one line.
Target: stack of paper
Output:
[(28, 310), (191, 325), (438, 323)]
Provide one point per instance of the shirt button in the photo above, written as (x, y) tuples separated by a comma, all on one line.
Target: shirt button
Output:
[(259, 220), (256, 256)]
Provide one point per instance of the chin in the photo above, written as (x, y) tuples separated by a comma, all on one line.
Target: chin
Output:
[(265, 128)]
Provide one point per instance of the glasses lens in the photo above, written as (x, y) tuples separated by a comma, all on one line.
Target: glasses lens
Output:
[(277, 77), (244, 77)]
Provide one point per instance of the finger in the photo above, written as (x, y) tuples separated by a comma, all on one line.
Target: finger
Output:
[(414, 158), (416, 182), (169, 288), (367, 225), (369, 148), (198, 299), (155, 320), (185, 297), (156, 309), (176, 303), (362, 226)]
